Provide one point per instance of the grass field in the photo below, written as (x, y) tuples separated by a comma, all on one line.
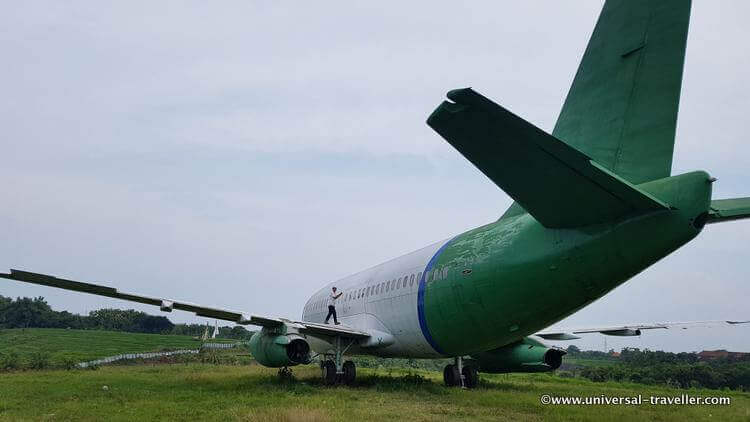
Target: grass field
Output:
[(197, 391), (84, 345), (216, 392)]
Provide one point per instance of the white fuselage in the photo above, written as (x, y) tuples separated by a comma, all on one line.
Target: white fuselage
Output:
[(381, 299)]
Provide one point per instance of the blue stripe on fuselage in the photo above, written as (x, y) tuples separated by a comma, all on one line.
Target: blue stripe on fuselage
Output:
[(420, 299)]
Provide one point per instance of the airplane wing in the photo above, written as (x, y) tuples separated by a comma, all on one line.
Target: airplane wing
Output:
[(167, 305), (632, 330)]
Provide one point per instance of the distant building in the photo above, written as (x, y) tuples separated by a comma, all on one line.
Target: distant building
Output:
[(722, 354)]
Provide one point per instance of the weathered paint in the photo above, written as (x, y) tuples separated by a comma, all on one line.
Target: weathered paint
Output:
[(496, 284), (525, 277)]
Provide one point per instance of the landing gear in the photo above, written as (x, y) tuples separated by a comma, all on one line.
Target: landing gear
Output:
[(334, 369), (331, 377), (285, 374), (460, 375)]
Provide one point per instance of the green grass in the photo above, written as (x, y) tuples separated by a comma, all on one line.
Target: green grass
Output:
[(199, 391), (210, 392), (85, 345)]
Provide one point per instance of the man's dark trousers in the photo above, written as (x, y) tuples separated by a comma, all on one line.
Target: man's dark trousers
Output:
[(332, 311)]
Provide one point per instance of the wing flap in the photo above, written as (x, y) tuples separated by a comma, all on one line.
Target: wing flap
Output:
[(317, 329), (558, 185)]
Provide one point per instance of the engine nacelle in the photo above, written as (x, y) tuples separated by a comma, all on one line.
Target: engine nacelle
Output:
[(528, 355), (278, 350), (625, 332)]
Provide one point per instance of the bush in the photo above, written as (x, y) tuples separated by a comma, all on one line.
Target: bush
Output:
[(9, 361), (68, 363), (38, 360)]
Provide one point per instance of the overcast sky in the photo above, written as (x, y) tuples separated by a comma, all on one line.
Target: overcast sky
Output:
[(242, 154)]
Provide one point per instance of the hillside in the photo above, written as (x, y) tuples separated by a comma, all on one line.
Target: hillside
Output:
[(83, 345)]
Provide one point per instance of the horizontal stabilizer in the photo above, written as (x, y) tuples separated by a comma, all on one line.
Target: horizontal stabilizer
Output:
[(728, 209), (558, 185)]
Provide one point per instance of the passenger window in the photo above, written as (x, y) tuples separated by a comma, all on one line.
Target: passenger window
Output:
[(411, 280)]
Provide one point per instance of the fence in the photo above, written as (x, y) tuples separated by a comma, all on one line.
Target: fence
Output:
[(128, 356), (223, 345)]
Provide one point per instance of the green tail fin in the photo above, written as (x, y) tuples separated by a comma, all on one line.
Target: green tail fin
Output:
[(622, 107)]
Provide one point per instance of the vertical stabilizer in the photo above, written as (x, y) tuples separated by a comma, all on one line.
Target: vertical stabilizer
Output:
[(622, 107)]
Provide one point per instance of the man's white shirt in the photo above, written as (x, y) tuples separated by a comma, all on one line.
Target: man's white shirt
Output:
[(332, 299)]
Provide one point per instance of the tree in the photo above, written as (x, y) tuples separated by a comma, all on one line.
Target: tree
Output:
[(26, 312)]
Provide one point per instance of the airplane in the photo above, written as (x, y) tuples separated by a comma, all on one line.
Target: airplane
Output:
[(595, 204)]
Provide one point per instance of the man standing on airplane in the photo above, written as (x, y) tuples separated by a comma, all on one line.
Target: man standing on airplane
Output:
[(332, 305)]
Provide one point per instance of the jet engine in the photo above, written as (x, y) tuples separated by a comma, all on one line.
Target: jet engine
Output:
[(278, 350), (527, 355)]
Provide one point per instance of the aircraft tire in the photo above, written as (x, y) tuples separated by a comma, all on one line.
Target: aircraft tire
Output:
[(350, 372), (471, 376), (451, 376), (328, 369)]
